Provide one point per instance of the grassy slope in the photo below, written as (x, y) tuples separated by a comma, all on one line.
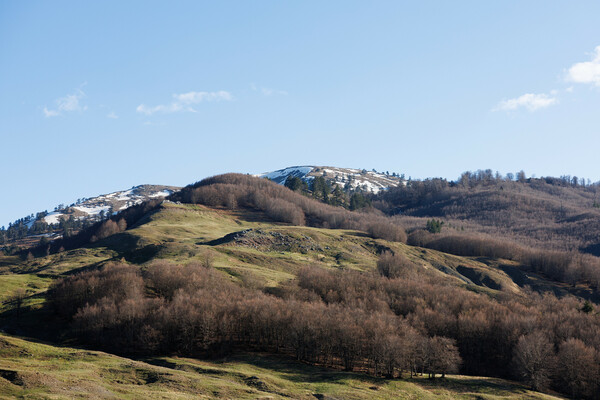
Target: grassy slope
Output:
[(37, 275), (33, 370), (268, 254), (184, 233)]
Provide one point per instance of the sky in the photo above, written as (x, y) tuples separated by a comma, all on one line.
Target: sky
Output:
[(97, 97)]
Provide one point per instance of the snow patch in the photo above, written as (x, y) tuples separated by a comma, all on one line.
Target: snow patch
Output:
[(124, 196), (281, 175), (369, 181), (164, 193), (92, 210), (53, 218)]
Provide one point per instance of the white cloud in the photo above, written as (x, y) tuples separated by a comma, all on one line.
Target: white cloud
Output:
[(267, 91), (586, 72), (530, 101), (66, 104), (112, 115), (183, 102), (50, 113), (198, 97)]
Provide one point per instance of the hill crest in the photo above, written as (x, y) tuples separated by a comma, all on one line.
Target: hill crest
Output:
[(350, 179)]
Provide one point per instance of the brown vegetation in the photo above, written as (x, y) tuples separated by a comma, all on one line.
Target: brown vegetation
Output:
[(570, 267), (284, 205), (405, 321), (549, 213)]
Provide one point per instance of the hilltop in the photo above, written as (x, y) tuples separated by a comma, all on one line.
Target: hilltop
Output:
[(349, 179), (72, 218)]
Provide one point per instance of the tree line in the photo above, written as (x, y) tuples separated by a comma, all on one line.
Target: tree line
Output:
[(194, 311), (398, 321), (322, 190)]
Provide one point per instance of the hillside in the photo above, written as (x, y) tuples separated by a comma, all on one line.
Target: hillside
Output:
[(251, 251), (35, 370), (551, 213), (29, 230), (302, 280)]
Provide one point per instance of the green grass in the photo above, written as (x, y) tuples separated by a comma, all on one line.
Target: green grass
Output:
[(34, 371), (183, 233), (31, 283), (56, 264)]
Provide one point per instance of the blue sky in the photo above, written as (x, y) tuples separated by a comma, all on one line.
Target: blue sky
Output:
[(101, 96)]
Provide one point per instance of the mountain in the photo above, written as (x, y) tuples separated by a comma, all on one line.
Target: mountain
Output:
[(347, 178), (108, 204), (84, 212)]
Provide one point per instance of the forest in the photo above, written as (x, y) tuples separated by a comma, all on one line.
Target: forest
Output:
[(395, 322)]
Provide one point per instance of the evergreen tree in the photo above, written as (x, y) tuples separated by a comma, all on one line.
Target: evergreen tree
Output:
[(320, 189), (434, 225), (296, 184), (358, 200), (338, 197)]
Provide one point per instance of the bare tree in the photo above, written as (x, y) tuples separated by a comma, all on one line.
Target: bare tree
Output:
[(534, 359), (577, 368), (442, 355)]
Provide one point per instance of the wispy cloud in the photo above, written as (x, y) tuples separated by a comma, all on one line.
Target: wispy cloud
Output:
[(50, 113), (185, 102), (530, 101), (268, 91), (112, 115), (66, 104), (586, 72)]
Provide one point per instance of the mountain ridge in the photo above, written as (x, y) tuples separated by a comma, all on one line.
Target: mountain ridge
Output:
[(350, 179)]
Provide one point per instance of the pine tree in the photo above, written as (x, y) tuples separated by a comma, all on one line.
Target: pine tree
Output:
[(338, 197)]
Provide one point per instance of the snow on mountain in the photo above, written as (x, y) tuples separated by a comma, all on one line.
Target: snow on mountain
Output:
[(53, 218), (281, 175), (93, 208), (163, 193), (347, 178)]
